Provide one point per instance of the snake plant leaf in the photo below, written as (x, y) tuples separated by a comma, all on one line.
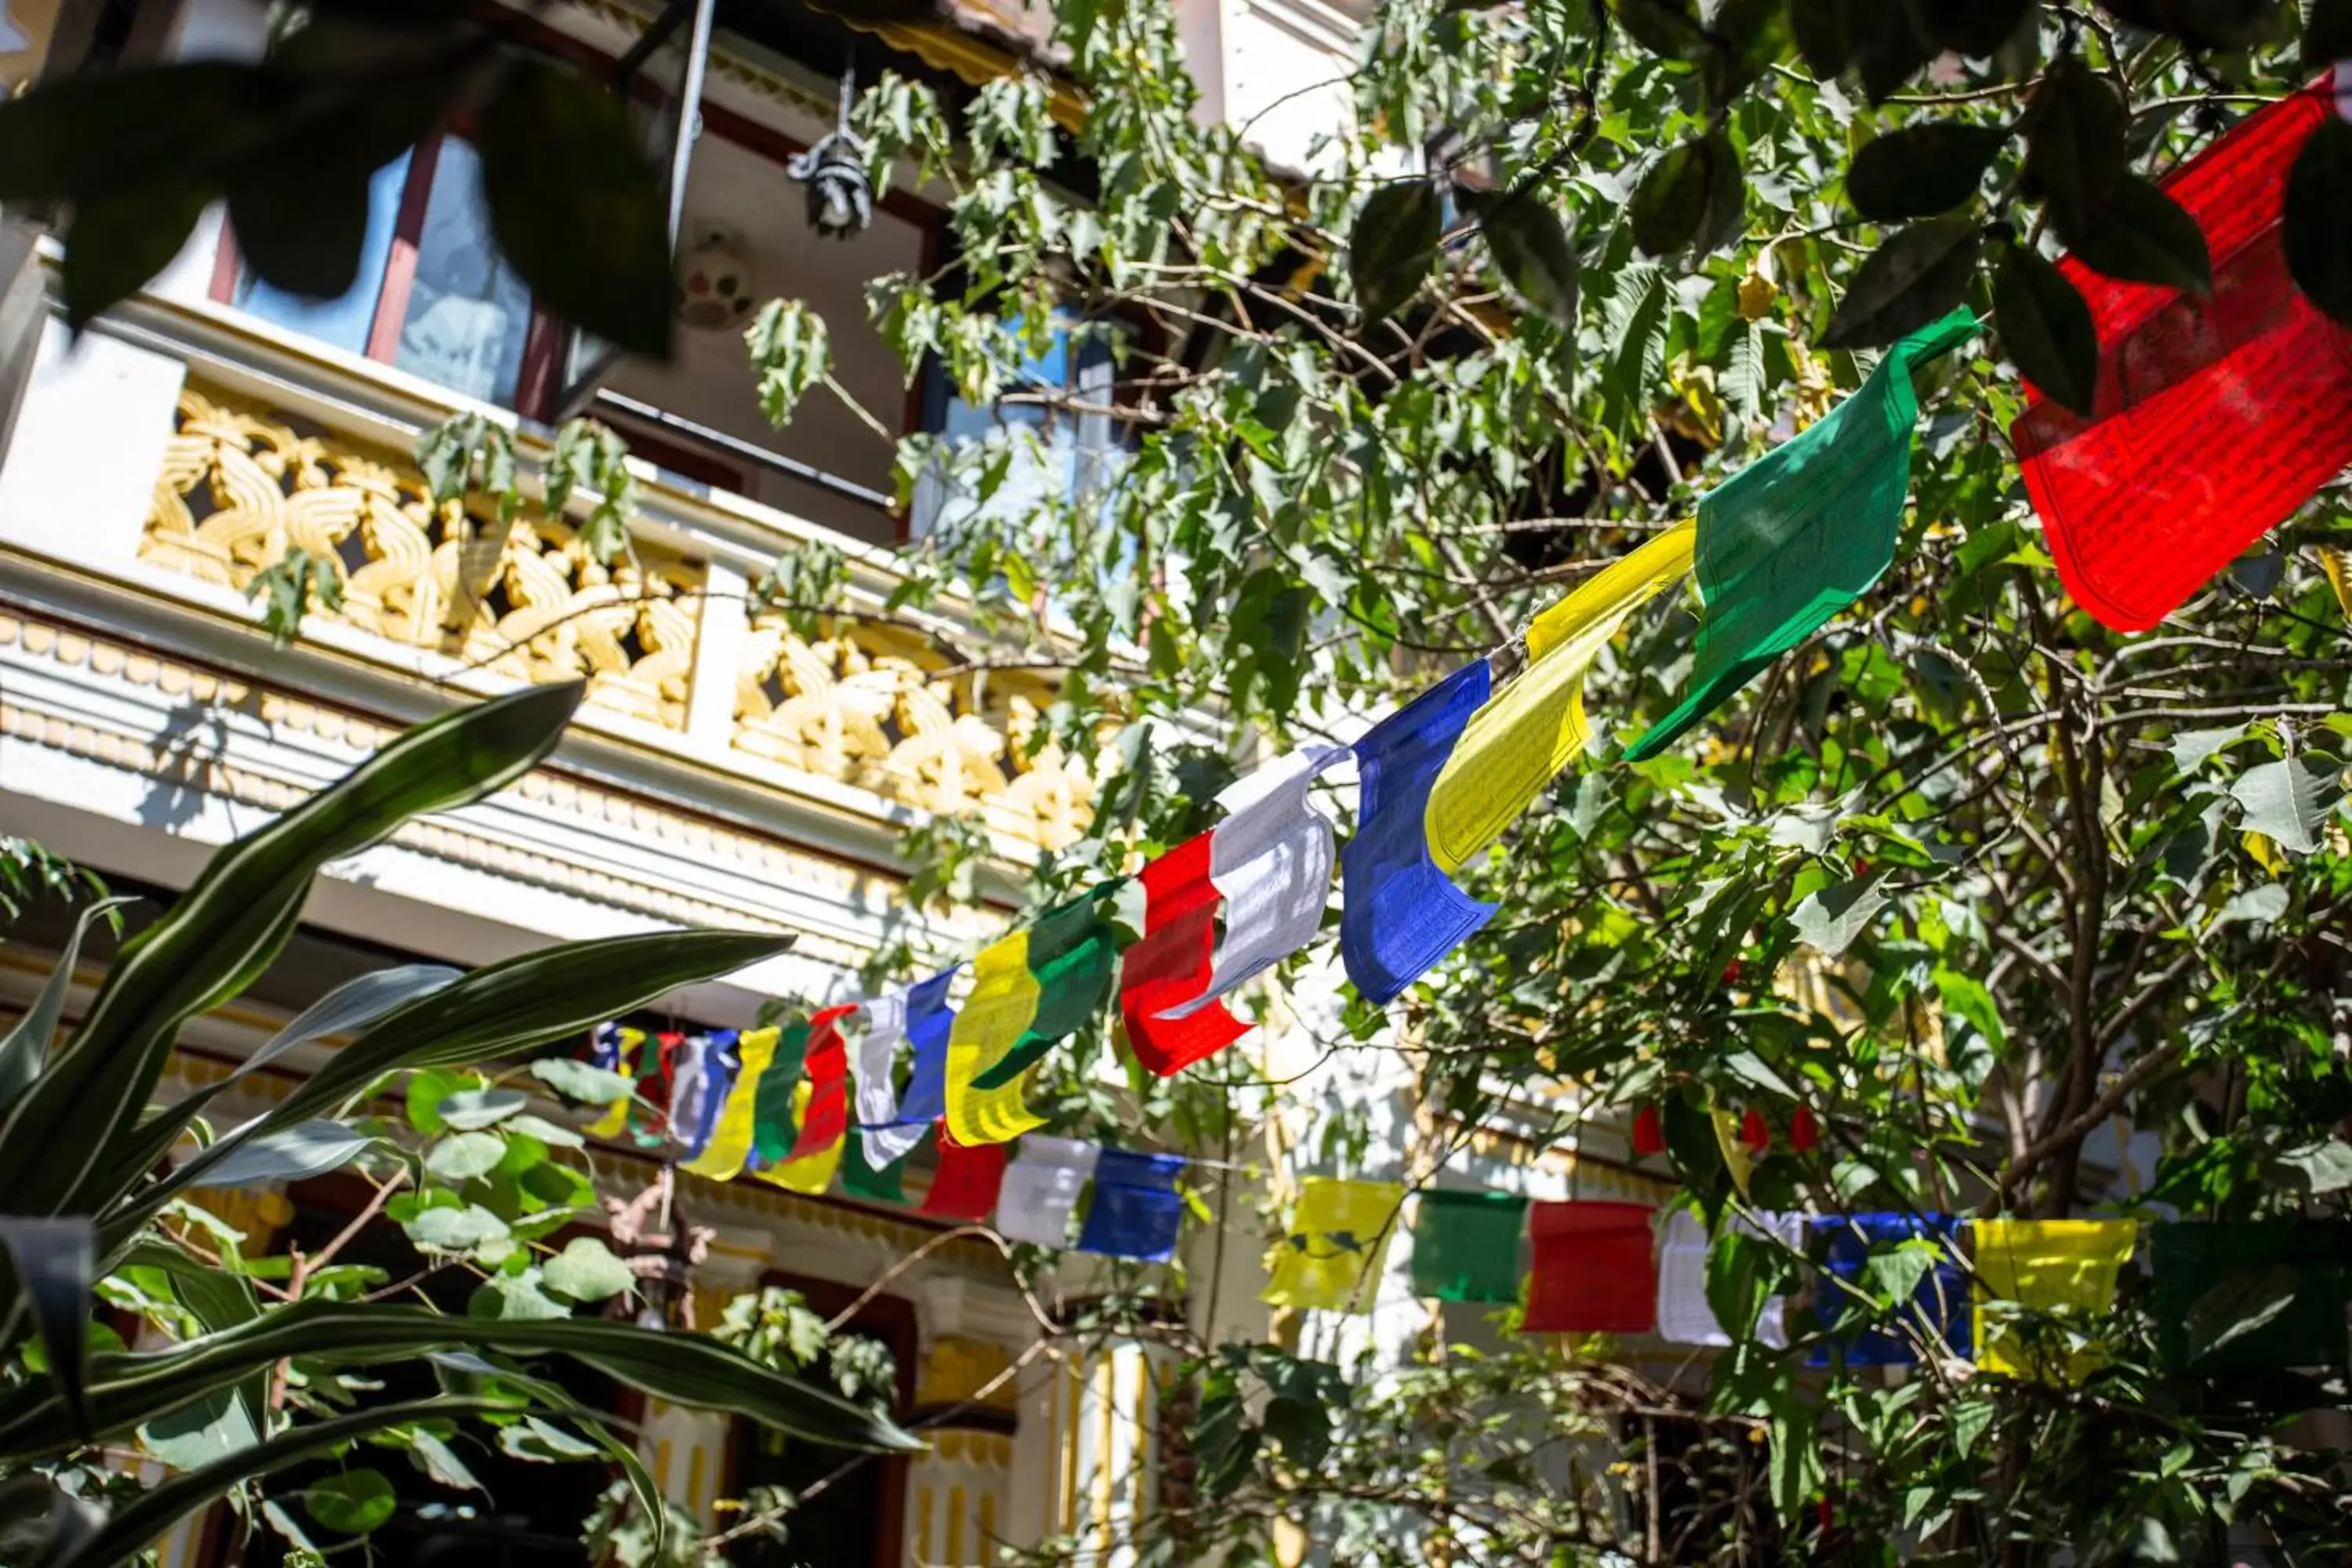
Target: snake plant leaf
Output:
[(230, 925)]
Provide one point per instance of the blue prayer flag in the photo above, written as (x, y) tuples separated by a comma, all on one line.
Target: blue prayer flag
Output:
[(720, 1062), (1939, 1307), (1136, 1210), (928, 1019), (1399, 913)]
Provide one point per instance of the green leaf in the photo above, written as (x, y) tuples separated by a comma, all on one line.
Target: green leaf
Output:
[(2203, 24), (1969, 1420), (693, 1370), (428, 1090), (352, 1503), (25, 1048), (54, 1262), (1916, 277), (456, 1229), (2318, 233), (2319, 1168), (117, 241), (1976, 28), (2288, 800), (1695, 196), (574, 206), (1392, 243), (1830, 919), (2192, 749), (2046, 328), (93, 132), (577, 1080), (299, 1152), (301, 221), (1919, 171), (226, 929), (1667, 29), (1752, 1070), (1829, 33), (154, 1512), (586, 1270), (2074, 149), (2266, 901), (471, 1110), (2145, 236), (440, 1461), (462, 1156), (2242, 1302), (544, 1443), (1531, 250), (517, 1298), (1796, 1461)]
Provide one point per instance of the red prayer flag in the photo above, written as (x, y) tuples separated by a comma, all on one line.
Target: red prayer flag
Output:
[(1649, 1131), (825, 1068), (655, 1093), (1805, 1129), (1595, 1272), (964, 1186), (1170, 964), (1755, 1132), (2215, 418)]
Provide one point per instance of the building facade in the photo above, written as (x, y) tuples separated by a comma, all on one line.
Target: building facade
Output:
[(725, 771)]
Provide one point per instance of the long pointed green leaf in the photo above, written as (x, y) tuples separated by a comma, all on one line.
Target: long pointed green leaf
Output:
[(352, 1005), (694, 1370), (227, 928), (165, 1504), (498, 1011), (26, 1047), (56, 1265)]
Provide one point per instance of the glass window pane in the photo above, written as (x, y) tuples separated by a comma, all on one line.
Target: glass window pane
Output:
[(342, 322), (468, 312)]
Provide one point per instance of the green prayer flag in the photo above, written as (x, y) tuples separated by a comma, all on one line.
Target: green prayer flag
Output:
[(1465, 1245), (2237, 1269), (1802, 532), (1074, 955), (859, 1178), (772, 1122)]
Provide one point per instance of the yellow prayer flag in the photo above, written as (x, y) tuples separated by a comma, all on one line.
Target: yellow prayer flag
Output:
[(812, 1174), (2045, 1264), (1528, 733), (1001, 1006), (722, 1158), (615, 1120), (1339, 1236), (2337, 562)]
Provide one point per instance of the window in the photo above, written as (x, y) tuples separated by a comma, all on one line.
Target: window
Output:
[(1074, 454), (432, 296)]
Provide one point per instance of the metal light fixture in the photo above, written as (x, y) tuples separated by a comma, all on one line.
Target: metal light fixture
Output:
[(840, 197)]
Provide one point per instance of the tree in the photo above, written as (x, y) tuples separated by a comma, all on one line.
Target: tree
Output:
[(1966, 877), (262, 1363)]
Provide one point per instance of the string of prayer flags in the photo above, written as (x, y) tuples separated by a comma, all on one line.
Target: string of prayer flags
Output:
[(1173, 962), (1846, 1247), (613, 1047), (1517, 743), (694, 1120), (1270, 859), (1796, 536), (1041, 1188), (2215, 418), (966, 1184), (826, 1070), (727, 1150), (1465, 1244), (1400, 914), (1686, 1313), (1136, 1211), (2308, 1260), (1594, 1271), (1335, 1247), (2044, 1265)]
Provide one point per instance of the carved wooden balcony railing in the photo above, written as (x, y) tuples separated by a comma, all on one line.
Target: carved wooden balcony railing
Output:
[(867, 704)]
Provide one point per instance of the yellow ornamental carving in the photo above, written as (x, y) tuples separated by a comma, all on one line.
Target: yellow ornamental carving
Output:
[(860, 706), (240, 488)]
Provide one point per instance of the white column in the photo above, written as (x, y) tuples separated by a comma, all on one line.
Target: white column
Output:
[(720, 631), (88, 448)]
